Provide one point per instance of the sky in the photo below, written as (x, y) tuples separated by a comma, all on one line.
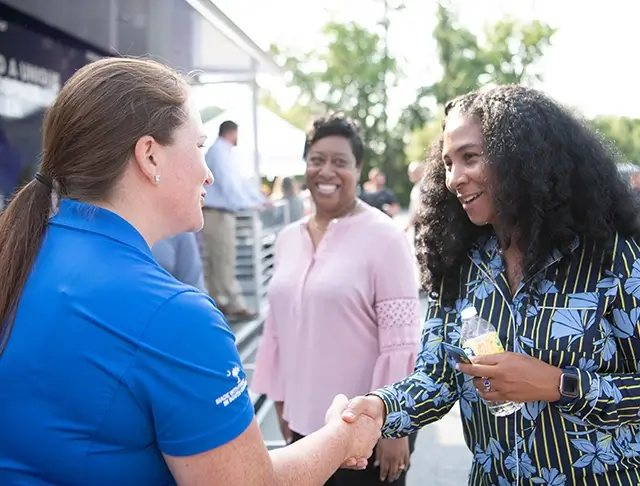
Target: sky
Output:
[(589, 66)]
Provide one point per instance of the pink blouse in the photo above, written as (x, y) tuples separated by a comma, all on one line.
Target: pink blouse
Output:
[(342, 319)]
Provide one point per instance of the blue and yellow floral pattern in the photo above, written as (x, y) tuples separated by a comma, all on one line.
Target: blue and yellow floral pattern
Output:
[(581, 311)]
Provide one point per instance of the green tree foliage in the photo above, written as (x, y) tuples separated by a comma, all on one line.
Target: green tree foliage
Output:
[(508, 52), (354, 72), (351, 75), (624, 132)]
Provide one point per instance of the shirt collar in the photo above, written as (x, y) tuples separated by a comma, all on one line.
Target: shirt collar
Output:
[(223, 142), (487, 250), (93, 219), (341, 222)]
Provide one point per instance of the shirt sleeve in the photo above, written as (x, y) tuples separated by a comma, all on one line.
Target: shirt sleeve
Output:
[(189, 378), (397, 308), (430, 391), (254, 195), (611, 400)]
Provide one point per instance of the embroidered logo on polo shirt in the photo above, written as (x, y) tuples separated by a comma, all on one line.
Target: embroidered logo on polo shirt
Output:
[(237, 390)]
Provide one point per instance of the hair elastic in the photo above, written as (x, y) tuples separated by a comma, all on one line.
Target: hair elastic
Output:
[(43, 179)]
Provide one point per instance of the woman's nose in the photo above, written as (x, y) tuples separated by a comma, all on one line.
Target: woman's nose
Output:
[(327, 169), (209, 180), (457, 177)]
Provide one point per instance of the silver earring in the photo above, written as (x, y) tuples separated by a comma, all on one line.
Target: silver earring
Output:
[(157, 178)]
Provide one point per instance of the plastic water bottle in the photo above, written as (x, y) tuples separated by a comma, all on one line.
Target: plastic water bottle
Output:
[(478, 337)]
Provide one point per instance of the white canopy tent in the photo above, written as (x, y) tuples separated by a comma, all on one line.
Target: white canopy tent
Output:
[(279, 143)]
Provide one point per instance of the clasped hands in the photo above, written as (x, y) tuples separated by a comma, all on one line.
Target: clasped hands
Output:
[(364, 415), (511, 377)]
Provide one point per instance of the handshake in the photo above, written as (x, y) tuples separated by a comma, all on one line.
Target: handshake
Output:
[(359, 421)]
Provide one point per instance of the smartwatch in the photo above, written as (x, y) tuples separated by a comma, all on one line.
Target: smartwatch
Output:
[(569, 384)]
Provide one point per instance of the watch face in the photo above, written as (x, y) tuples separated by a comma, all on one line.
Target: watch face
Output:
[(569, 385)]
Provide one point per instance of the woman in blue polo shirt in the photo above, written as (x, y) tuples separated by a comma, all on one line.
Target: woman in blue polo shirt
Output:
[(111, 371)]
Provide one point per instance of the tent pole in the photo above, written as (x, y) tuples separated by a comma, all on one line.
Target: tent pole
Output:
[(257, 221), (255, 95)]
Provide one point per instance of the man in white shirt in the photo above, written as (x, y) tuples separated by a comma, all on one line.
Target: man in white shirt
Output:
[(229, 194)]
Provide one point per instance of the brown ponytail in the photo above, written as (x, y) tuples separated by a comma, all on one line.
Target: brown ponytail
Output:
[(89, 134), (22, 225)]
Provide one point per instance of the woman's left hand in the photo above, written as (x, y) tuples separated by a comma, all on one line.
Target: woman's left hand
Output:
[(513, 377), (392, 457)]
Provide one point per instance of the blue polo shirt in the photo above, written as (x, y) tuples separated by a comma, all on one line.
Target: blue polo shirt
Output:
[(112, 363)]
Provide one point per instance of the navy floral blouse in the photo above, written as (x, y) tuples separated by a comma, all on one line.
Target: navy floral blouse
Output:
[(581, 311)]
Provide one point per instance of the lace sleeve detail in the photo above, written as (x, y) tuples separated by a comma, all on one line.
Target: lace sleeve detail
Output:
[(398, 322)]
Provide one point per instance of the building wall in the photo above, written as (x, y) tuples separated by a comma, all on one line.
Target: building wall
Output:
[(162, 28)]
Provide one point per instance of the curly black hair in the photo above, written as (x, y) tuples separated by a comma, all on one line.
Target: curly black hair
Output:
[(556, 177), (336, 124)]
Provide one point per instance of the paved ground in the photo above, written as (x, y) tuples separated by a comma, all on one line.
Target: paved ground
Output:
[(441, 457)]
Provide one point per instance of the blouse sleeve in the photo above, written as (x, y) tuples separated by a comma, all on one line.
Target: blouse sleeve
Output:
[(397, 307), (267, 377)]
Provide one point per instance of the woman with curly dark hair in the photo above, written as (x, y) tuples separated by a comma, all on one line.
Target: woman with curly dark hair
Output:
[(527, 220)]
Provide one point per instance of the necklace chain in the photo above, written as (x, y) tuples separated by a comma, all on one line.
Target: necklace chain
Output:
[(323, 229)]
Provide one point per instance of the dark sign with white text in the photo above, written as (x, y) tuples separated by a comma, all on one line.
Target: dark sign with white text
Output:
[(35, 61)]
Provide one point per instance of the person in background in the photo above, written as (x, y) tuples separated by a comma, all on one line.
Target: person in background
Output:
[(415, 171), (230, 194), (378, 195), (291, 194), (528, 220), (112, 371), (287, 189), (180, 256), (343, 304)]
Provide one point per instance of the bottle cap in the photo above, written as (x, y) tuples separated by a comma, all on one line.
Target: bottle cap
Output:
[(468, 313)]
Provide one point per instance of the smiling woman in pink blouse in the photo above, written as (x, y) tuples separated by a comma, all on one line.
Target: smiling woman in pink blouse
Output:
[(344, 306)]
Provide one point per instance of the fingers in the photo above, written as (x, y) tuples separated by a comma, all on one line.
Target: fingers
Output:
[(385, 468), (396, 472), (349, 463), (489, 359), (477, 369), (392, 468), (492, 396), (370, 406), (483, 365), (484, 384), (356, 464), (492, 392), (355, 408), (340, 402)]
